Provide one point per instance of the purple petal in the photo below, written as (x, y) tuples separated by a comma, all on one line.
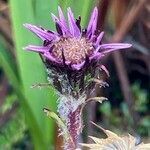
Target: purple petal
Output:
[(67, 62), (61, 17), (105, 69), (39, 49), (106, 48), (75, 31), (99, 38), (65, 30), (93, 38), (97, 49), (96, 55), (50, 57), (93, 22), (78, 66), (41, 33)]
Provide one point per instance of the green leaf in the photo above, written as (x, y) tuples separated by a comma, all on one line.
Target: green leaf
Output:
[(43, 12), (32, 70), (43, 17), (7, 65)]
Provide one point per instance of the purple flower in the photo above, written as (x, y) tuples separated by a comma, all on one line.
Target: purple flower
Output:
[(72, 57), (71, 54)]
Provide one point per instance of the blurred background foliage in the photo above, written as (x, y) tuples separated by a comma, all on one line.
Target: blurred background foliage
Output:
[(22, 122)]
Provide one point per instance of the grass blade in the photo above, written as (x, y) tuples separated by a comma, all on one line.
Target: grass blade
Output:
[(43, 18), (31, 70), (6, 64)]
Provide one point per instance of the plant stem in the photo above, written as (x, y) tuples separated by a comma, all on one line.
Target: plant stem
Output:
[(74, 127), (69, 109)]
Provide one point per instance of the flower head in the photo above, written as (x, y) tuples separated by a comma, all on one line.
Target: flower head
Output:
[(71, 54), (115, 142)]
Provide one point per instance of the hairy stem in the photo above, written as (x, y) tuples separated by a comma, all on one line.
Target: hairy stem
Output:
[(74, 127), (69, 109)]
